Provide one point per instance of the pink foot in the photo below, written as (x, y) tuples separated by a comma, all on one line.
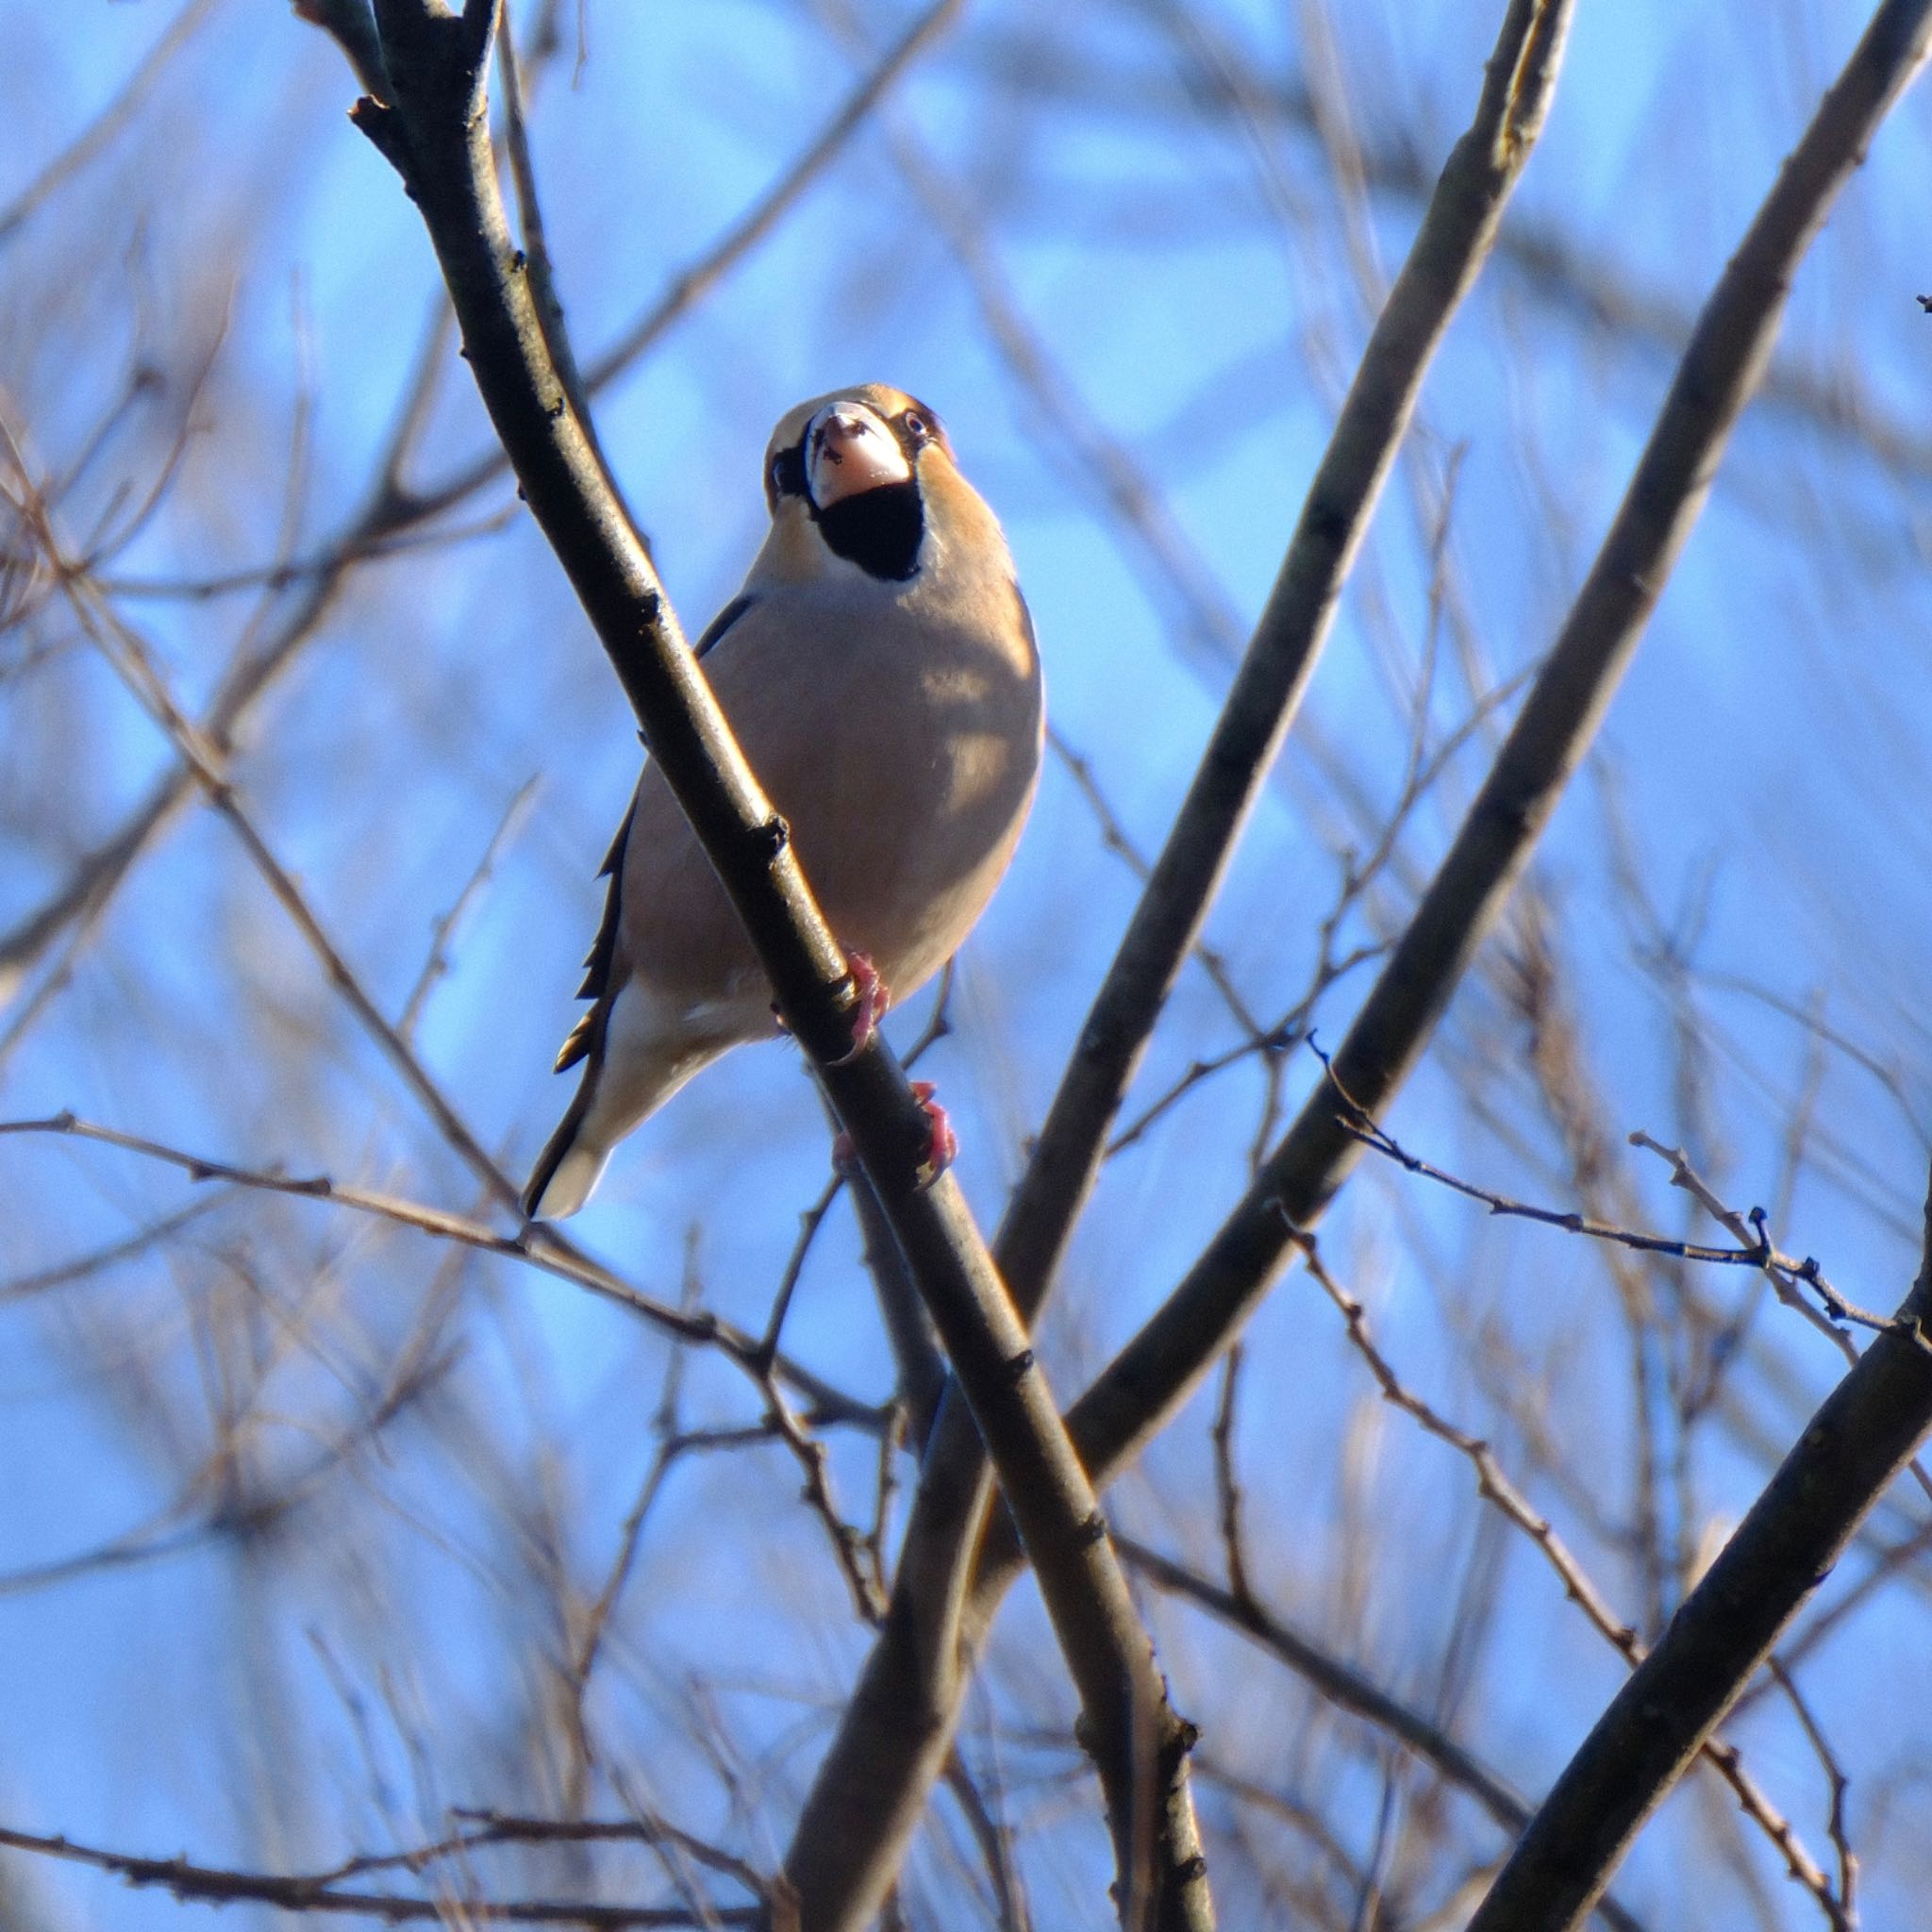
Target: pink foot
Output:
[(873, 997), (941, 1146)]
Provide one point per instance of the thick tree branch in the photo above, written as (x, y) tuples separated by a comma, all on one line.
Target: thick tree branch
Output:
[(1442, 264), (848, 1844), (435, 131), (1727, 354), (1864, 1435)]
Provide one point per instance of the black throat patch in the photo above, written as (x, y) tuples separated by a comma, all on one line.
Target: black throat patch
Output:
[(880, 530)]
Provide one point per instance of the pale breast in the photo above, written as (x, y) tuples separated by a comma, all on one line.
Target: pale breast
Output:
[(902, 743)]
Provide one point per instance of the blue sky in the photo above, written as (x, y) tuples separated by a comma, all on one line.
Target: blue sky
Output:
[(1761, 774)]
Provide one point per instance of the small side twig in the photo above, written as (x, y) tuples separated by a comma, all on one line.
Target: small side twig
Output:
[(1228, 1481), (442, 933), (1749, 1231), (1835, 1778), (1754, 1247), (323, 1892)]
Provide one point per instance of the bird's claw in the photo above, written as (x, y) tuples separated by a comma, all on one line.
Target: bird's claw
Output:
[(871, 998), (942, 1145)]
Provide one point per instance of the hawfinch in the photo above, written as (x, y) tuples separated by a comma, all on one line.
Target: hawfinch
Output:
[(878, 667)]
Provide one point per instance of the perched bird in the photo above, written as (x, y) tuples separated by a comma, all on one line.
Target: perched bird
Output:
[(879, 669)]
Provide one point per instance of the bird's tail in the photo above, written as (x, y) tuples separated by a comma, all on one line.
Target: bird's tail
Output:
[(569, 1168), (634, 1065)]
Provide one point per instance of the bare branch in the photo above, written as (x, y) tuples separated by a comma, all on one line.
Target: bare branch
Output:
[(442, 934), (539, 1247), (1348, 1688), (1496, 1489), (1759, 1250), (1442, 267), (435, 132), (1864, 1435), (841, 1889), (298, 1892)]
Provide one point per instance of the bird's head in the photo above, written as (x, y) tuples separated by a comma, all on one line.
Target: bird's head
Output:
[(865, 474)]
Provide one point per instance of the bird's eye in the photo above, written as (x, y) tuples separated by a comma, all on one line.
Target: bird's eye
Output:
[(788, 472), (916, 427)]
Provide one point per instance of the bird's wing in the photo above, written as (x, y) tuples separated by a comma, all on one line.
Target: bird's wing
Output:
[(597, 962), (722, 623)]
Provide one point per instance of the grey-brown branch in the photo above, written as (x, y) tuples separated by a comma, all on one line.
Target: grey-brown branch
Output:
[(435, 131)]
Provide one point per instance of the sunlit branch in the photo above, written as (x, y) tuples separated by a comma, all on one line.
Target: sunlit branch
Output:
[(1849, 1453), (844, 1816), (435, 131)]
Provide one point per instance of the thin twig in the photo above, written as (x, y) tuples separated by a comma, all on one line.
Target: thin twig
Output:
[(303, 1892), (1755, 1246), (1226, 1482), (1495, 1488), (442, 933), (532, 1245), (1757, 1250)]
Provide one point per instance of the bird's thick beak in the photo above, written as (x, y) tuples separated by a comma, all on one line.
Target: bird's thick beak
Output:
[(847, 451)]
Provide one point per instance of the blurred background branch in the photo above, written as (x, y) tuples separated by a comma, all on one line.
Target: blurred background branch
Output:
[(338, 1515)]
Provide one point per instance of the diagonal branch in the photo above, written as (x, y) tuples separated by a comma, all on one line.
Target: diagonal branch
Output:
[(1864, 1435), (320, 1894), (754, 1355), (435, 131), (1727, 354), (1442, 267), (847, 1844)]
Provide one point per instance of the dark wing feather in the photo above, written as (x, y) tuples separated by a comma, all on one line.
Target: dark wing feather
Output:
[(597, 961), (556, 1147), (722, 623), (1025, 618), (584, 1035)]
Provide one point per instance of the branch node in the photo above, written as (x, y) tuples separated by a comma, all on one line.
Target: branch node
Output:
[(770, 839), (385, 133)]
